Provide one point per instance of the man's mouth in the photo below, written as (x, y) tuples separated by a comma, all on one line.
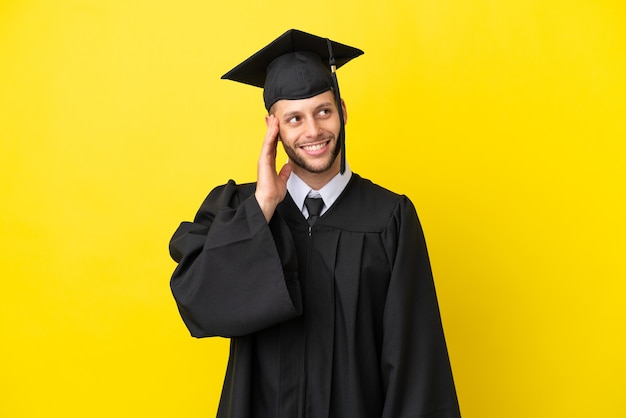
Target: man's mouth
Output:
[(315, 147)]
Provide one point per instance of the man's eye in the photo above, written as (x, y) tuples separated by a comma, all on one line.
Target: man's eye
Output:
[(294, 119), (324, 112)]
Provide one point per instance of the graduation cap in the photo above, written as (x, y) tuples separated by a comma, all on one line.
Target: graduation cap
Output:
[(297, 65)]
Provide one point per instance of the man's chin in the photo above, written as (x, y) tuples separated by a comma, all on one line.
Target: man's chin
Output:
[(317, 167), (313, 165)]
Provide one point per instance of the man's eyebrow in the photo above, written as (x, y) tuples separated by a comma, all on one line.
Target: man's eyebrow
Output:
[(326, 104), (291, 113), (299, 112)]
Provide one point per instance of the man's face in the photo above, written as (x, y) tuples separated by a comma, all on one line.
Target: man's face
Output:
[(308, 129)]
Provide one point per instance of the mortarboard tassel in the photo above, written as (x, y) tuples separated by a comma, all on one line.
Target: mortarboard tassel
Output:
[(342, 128)]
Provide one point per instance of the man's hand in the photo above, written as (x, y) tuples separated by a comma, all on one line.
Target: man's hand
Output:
[(271, 187)]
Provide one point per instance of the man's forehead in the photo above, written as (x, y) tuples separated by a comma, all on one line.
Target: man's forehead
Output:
[(288, 105)]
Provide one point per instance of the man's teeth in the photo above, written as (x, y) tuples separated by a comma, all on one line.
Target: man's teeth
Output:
[(314, 147)]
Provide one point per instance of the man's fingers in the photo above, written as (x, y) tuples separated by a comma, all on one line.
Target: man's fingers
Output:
[(285, 172), (270, 142), (271, 136)]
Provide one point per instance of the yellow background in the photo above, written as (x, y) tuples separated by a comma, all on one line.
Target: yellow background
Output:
[(504, 121)]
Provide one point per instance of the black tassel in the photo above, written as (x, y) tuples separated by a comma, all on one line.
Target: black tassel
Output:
[(342, 128)]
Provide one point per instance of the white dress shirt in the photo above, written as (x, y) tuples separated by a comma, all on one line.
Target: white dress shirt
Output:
[(299, 190)]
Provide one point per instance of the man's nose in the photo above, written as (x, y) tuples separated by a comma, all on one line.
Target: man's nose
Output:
[(312, 128)]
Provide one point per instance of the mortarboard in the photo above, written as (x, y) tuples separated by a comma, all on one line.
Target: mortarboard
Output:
[(297, 65)]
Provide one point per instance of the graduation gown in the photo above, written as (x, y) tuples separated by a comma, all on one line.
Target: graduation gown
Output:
[(337, 320)]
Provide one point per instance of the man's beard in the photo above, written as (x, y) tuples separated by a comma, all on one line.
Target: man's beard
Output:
[(294, 158)]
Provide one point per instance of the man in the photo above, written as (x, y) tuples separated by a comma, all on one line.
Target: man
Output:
[(329, 303)]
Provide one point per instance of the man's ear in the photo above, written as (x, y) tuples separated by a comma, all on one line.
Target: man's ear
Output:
[(345, 113)]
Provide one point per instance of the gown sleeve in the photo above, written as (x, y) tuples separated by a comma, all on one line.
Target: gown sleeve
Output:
[(415, 367), (236, 274)]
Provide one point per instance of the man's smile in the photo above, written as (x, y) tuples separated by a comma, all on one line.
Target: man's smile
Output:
[(315, 148)]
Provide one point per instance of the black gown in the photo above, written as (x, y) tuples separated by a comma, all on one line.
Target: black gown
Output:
[(338, 320)]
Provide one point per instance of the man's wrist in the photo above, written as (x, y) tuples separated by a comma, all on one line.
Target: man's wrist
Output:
[(268, 206)]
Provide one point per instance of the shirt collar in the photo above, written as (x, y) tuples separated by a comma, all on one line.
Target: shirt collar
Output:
[(299, 190)]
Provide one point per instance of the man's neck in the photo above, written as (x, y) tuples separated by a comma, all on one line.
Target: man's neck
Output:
[(317, 180)]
